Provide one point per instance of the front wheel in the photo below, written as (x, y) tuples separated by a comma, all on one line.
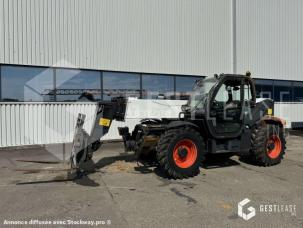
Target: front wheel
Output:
[(180, 152), (268, 144)]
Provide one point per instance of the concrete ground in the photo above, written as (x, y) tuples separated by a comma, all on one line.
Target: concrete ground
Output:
[(120, 192)]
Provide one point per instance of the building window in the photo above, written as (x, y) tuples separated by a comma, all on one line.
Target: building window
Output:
[(184, 86), (157, 86), (77, 85), (264, 88), (298, 91), (120, 84), (19, 83), (282, 91)]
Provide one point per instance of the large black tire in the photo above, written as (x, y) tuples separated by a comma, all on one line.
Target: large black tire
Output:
[(265, 148), (167, 144)]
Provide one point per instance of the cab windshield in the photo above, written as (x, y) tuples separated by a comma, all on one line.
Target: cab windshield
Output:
[(200, 92)]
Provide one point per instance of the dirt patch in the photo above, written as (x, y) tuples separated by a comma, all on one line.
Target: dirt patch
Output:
[(121, 166)]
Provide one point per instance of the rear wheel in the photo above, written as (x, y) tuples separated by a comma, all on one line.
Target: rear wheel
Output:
[(268, 144), (180, 152)]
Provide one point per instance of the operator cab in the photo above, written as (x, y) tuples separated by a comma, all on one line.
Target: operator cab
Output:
[(226, 107), (223, 100)]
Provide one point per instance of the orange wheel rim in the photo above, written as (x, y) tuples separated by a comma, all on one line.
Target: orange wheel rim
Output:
[(185, 153), (274, 146)]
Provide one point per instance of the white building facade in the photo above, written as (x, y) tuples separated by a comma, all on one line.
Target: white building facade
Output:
[(55, 50)]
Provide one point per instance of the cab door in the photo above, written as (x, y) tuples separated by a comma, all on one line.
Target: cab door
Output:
[(225, 108), (249, 102)]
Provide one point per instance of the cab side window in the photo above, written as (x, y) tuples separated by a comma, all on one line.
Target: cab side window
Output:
[(222, 95), (247, 91), (236, 93), (230, 91)]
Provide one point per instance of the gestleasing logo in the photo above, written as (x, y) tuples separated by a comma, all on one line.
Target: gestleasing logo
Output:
[(251, 210), (269, 209)]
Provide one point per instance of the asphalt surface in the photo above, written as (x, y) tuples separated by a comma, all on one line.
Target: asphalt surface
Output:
[(119, 192)]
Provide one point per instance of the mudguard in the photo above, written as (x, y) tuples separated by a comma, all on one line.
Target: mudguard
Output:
[(178, 123), (273, 119)]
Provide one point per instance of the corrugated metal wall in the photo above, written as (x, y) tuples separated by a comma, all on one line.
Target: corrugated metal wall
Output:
[(291, 112), (41, 123), (269, 38), (171, 36), (45, 123)]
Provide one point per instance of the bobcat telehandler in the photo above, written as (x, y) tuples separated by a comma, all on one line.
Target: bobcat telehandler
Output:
[(221, 116)]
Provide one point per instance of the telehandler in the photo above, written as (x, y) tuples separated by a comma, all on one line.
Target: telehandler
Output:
[(222, 115)]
